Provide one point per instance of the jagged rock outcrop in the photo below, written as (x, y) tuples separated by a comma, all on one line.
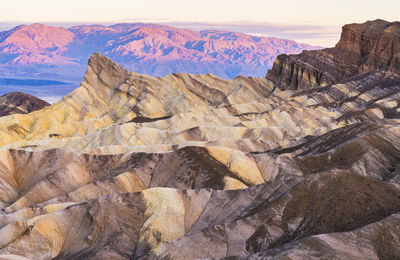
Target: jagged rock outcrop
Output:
[(374, 45), (20, 103), (130, 166)]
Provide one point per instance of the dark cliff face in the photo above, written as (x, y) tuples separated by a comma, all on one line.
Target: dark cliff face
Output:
[(371, 45), (20, 103), (374, 45)]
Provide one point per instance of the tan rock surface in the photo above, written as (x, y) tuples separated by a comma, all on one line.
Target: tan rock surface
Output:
[(192, 166)]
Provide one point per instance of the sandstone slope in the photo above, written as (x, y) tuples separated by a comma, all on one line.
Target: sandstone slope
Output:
[(130, 166)]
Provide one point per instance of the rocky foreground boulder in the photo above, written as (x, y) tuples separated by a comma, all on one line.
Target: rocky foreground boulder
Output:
[(130, 166)]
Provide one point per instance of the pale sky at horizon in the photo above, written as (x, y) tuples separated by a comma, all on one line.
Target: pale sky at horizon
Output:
[(313, 21)]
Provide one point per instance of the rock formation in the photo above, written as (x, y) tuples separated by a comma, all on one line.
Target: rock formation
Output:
[(20, 103), (130, 166), (373, 45)]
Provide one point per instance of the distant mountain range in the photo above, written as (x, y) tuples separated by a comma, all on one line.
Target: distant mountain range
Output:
[(45, 52)]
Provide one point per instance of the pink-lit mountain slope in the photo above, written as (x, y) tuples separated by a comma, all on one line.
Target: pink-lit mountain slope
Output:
[(145, 48)]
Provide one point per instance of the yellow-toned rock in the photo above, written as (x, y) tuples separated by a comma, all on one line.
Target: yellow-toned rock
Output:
[(233, 184), (166, 211)]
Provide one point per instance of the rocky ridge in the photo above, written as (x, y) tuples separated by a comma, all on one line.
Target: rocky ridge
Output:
[(130, 166), (20, 103)]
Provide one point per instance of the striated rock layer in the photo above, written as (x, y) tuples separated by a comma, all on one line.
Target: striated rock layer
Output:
[(130, 166), (20, 103), (374, 45)]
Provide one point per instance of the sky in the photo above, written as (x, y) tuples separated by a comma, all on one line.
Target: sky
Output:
[(316, 22)]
